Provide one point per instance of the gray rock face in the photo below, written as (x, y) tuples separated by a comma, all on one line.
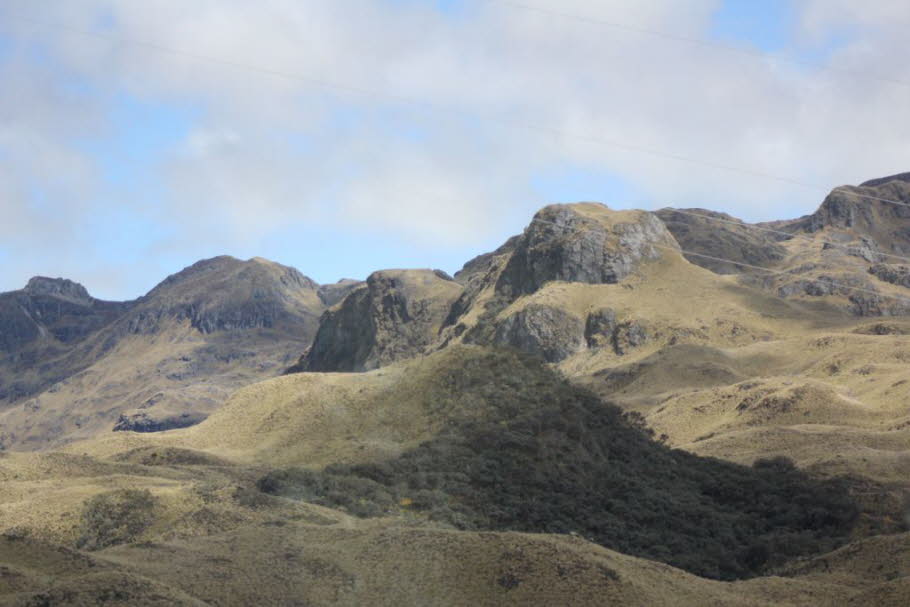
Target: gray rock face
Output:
[(143, 422), (555, 334), (879, 209), (873, 183), (895, 274), (60, 288), (862, 295), (871, 304), (227, 294), (866, 249), (627, 336), (395, 315), (603, 330), (818, 287), (537, 329), (723, 237), (332, 294), (599, 328), (582, 243)]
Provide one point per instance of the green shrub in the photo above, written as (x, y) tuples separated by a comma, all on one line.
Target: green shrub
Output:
[(526, 451), (118, 517)]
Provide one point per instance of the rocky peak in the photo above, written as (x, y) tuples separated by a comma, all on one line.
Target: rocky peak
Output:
[(583, 242), (61, 288), (872, 183), (396, 314), (721, 236), (332, 294), (880, 209), (224, 294)]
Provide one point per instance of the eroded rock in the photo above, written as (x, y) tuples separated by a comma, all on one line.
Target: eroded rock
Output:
[(549, 332), (583, 242), (395, 315)]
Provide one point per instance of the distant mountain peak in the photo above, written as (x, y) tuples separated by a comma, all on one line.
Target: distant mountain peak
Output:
[(60, 288), (872, 183)]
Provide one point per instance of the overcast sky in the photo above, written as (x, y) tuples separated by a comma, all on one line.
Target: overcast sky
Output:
[(345, 136)]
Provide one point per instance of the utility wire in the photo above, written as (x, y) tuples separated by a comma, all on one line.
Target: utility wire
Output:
[(547, 130), (348, 88), (416, 103), (780, 232), (758, 268), (702, 42)]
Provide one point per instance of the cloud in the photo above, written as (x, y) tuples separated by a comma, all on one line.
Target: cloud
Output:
[(398, 118)]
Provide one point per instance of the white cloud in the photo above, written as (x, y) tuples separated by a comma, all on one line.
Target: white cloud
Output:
[(273, 146)]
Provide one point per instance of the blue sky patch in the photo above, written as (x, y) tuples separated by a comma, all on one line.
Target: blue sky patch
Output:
[(766, 25)]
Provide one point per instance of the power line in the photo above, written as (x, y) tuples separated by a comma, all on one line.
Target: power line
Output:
[(780, 232), (702, 42), (416, 103), (758, 268)]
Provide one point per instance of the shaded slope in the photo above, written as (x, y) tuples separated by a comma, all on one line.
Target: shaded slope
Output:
[(521, 449), (387, 564), (722, 236), (168, 359), (225, 294), (395, 315), (40, 325)]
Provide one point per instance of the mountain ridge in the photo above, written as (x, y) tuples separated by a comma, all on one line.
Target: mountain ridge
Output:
[(489, 438)]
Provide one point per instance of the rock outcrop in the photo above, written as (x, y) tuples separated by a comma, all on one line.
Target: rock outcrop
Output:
[(52, 308), (395, 315), (874, 183), (227, 294), (332, 294), (726, 239), (584, 242), (144, 422), (550, 332), (878, 209), (895, 274), (60, 288)]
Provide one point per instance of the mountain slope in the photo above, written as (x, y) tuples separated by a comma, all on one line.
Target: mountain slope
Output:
[(165, 360), (40, 325)]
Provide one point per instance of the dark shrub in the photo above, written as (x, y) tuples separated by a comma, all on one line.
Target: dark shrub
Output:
[(118, 517), (526, 451)]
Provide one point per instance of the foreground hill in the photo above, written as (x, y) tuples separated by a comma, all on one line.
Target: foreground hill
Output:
[(383, 563), (213, 514)]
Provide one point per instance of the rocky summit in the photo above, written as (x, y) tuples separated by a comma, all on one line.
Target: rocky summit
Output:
[(163, 360), (396, 314), (613, 407), (582, 243)]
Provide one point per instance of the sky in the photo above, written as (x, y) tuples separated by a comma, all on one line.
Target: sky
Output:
[(347, 136)]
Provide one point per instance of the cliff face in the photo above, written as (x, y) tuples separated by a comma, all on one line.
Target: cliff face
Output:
[(166, 359), (41, 326), (52, 309), (399, 314), (395, 315), (723, 237), (878, 209), (583, 242)]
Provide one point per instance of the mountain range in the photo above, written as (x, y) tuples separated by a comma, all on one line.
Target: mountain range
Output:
[(613, 407)]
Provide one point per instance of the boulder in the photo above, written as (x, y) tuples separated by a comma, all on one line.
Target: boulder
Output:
[(549, 332)]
